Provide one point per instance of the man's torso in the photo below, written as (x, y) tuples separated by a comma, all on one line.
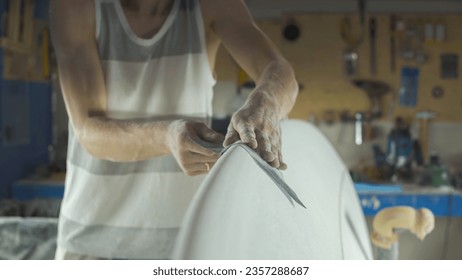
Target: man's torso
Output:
[(148, 24)]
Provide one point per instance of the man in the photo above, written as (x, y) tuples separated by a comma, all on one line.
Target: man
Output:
[(137, 80)]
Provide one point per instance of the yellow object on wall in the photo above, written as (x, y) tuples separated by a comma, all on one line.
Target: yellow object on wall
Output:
[(25, 43), (317, 59)]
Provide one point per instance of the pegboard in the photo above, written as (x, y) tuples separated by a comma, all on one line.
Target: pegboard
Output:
[(317, 59)]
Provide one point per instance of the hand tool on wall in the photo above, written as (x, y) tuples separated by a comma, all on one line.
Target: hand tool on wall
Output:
[(14, 20), (358, 128), (440, 32), (393, 43), (350, 55), (392, 220), (19, 32), (45, 54), (18, 39), (412, 40), (363, 127), (27, 35), (362, 12), (375, 91), (424, 118), (373, 45), (408, 43), (449, 66), (429, 32), (350, 61)]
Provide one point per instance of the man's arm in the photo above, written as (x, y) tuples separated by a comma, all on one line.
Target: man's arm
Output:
[(85, 95), (257, 122)]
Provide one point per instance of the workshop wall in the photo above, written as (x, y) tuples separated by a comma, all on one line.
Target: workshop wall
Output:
[(25, 95), (317, 60), (25, 123)]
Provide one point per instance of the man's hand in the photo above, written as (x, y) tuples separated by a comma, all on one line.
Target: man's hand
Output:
[(184, 138), (257, 125)]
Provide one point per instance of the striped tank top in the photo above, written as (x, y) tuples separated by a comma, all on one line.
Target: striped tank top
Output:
[(133, 210)]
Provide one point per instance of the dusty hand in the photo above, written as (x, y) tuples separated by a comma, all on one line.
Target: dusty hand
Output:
[(184, 138), (257, 125)]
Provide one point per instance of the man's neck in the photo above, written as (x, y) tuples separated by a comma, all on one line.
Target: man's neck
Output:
[(147, 7)]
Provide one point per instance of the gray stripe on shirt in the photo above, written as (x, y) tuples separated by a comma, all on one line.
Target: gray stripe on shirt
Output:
[(116, 242)]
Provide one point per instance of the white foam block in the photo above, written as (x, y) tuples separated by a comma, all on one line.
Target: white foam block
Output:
[(239, 212)]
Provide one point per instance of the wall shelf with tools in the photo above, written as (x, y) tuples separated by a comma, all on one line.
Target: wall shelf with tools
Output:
[(318, 57), (401, 43)]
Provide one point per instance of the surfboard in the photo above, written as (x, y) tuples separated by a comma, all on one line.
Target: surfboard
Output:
[(239, 212)]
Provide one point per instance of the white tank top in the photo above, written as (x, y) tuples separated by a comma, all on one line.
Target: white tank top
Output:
[(133, 210)]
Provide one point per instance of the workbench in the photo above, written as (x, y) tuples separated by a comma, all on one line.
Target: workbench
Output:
[(443, 202), (38, 189)]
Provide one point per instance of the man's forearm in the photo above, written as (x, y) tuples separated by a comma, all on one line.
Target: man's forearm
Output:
[(124, 140), (277, 83)]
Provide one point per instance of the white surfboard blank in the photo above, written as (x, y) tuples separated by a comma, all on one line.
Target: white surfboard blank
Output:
[(239, 212)]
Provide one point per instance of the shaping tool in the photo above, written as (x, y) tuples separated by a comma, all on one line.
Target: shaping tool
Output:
[(373, 45), (392, 43), (350, 55)]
